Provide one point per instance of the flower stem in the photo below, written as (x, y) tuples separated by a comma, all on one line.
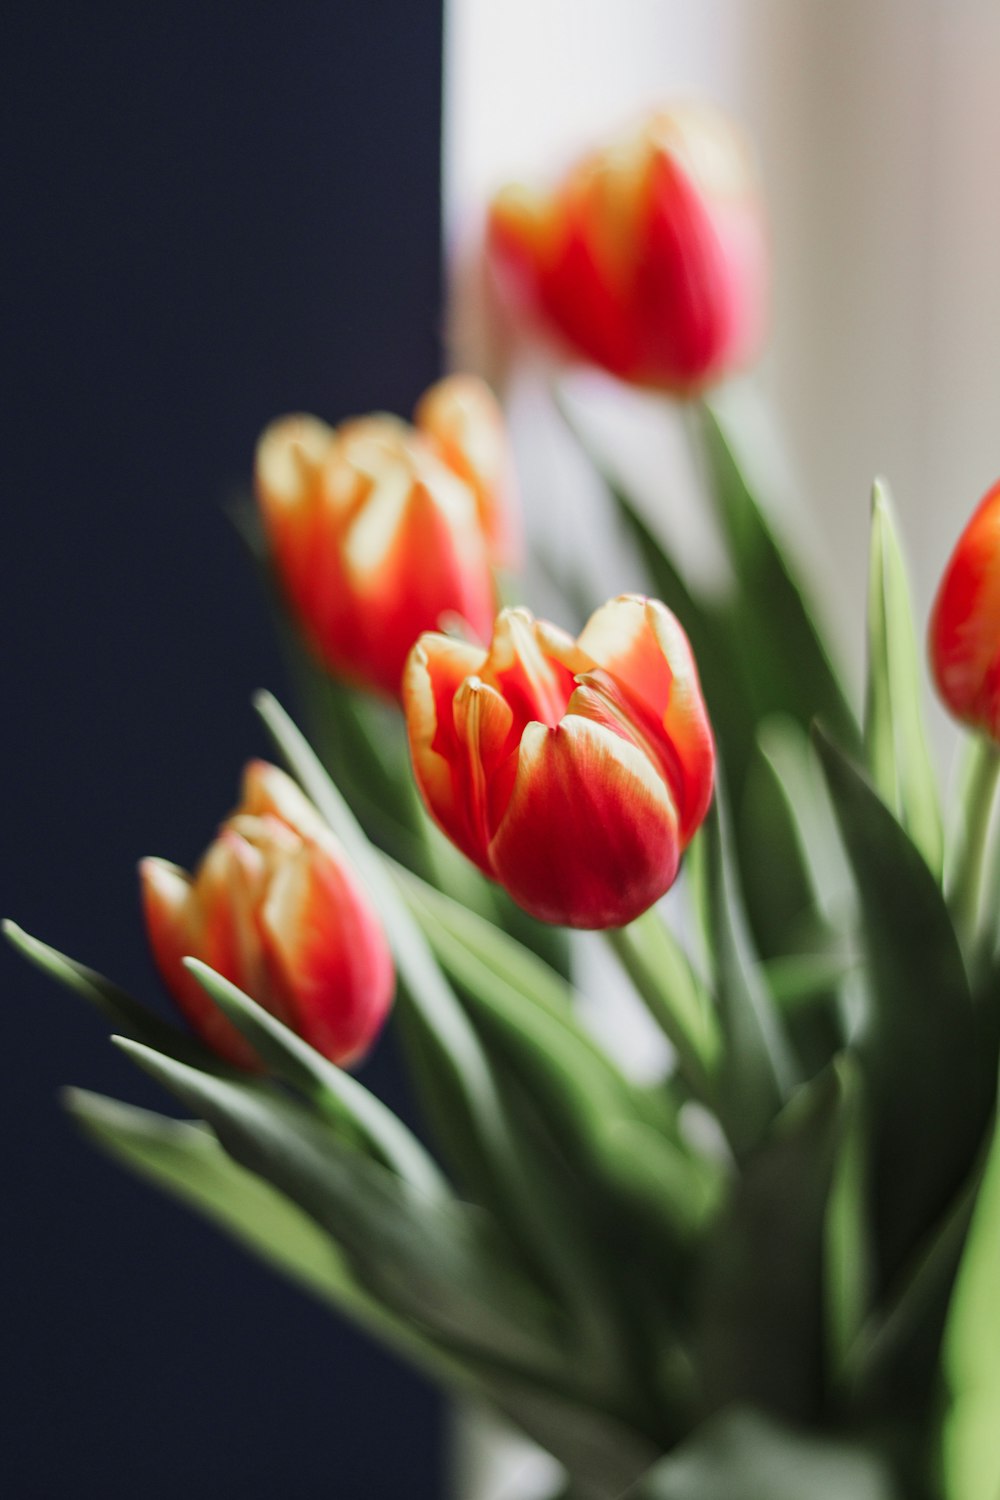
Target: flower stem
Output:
[(970, 839)]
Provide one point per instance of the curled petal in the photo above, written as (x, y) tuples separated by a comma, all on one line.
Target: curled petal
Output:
[(589, 837), (435, 670), (533, 666), (641, 646)]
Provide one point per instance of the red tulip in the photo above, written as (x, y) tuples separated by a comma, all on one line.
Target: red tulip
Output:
[(275, 909), (379, 530), (964, 639), (650, 257), (573, 772)]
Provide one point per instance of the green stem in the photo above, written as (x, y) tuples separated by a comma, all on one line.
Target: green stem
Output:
[(971, 834), (675, 998)]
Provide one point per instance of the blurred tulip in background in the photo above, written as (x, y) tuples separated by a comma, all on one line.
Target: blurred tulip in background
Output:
[(380, 530), (650, 257)]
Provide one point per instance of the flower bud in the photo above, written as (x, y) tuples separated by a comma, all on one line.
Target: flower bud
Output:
[(574, 772), (650, 257), (964, 636), (379, 531), (274, 908)]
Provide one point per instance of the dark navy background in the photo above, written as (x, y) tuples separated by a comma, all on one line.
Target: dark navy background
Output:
[(213, 214)]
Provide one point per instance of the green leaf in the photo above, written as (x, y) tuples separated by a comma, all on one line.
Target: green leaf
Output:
[(743, 1455), (971, 1431), (185, 1160), (674, 996), (437, 1264), (848, 1238), (894, 1368), (895, 745), (338, 1095), (929, 1076), (756, 1072), (458, 1087), (124, 1013), (762, 1320), (787, 659), (584, 1100)]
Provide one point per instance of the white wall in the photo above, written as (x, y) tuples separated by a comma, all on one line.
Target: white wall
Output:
[(878, 127)]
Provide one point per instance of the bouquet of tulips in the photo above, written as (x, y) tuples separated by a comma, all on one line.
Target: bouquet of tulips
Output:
[(768, 1272)]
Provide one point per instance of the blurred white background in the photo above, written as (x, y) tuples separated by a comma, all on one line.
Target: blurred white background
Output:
[(877, 125)]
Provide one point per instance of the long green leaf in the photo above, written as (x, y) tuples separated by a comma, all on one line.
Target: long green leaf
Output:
[(334, 1091), (971, 1431), (762, 1295), (675, 997), (461, 1094), (787, 658), (586, 1102), (756, 1072), (124, 1013), (436, 1264), (895, 744), (184, 1159), (929, 1075)]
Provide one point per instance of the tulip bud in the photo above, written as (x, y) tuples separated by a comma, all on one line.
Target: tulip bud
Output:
[(276, 910), (964, 636), (650, 257), (378, 530), (574, 772)]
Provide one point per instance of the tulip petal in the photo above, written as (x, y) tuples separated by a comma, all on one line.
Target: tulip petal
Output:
[(328, 959), (641, 645), (964, 635), (288, 466), (462, 418), (173, 924), (533, 665), (589, 837), (435, 670), (269, 791)]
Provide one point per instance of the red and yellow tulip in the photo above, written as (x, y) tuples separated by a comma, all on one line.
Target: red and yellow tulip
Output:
[(650, 257), (274, 908), (574, 772), (964, 637), (380, 530)]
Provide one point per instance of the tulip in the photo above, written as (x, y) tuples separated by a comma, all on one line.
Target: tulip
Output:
[(274, 908), (650, 258), (573, 772), (379, 530), (964, 637)]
